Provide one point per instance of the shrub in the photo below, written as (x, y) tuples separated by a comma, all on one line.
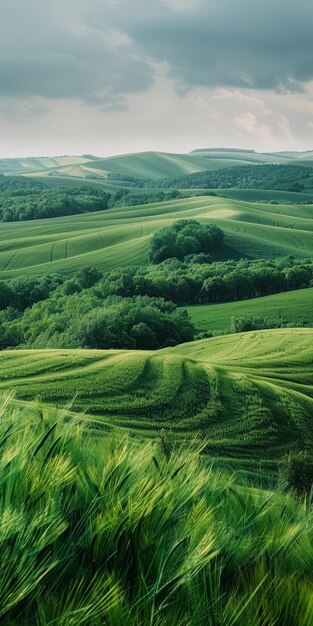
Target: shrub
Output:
[(296, 471)]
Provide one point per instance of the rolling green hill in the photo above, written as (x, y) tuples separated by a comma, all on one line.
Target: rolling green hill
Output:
[(233, 156), (149, 165), (249, 395), (251, 156), (146, 164), (292, 306), (33, 165), (142, 165), (121, 236)]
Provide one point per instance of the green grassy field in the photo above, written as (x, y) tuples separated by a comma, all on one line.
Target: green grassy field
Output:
[(106, 530), (249, 395), (121, 236), (292, 306)]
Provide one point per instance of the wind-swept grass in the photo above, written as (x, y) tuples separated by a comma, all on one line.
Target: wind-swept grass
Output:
[(106, 531), (249, 395)]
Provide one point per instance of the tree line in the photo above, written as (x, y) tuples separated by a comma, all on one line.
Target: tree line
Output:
[(24, 199), (135, 307), (266, 176), (186, 283)]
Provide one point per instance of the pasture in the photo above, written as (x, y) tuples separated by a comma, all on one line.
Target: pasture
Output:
[(248, 396), (120, 236), (294, 307)]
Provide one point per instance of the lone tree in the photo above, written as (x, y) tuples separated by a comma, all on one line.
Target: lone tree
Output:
[(184, 238)]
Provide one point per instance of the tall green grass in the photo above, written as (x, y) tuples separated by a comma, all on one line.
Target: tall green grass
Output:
[(103, 530)]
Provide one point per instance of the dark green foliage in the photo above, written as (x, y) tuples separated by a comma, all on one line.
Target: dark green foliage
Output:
[(59, 316), (35, 202), (126, 198), (84, 319), (134, 323), (27, 291), (296, 471), (195, 282), (268, 176), (15, 184), (6, 295), (246, 323), (184, 238), (87, 277), (25, 199), (135, 307)]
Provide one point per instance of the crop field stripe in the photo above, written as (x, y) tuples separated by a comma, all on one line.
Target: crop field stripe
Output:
[(120, 236), (249, 392)]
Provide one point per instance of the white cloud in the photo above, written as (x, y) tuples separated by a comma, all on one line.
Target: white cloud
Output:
[(110, 76)]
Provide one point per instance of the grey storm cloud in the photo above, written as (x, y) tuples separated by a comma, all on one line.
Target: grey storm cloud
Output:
[(99, 50)]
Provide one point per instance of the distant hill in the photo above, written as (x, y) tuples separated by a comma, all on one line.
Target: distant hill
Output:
[(33, 165), (274, 176), (146, 164)]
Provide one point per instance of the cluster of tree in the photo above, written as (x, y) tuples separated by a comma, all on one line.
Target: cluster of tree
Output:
[(196, 283), (37, 203), (183, 239), (267, 176), (247, 323), (22, 293), (137, 307), (126, 198), (19, 184), (22, 198), (87, 320)]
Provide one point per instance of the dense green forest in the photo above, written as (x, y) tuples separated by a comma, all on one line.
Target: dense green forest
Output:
[(23, 198), (268, 176), (136, 308)]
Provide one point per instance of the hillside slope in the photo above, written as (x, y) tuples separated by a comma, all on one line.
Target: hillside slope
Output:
[(121, 236), (33, 165), (142, 164), (292, 307), (250, 395)]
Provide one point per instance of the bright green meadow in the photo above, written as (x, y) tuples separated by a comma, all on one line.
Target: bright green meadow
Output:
[(142, 487), (248, 396), (121, 236), (293, 307)]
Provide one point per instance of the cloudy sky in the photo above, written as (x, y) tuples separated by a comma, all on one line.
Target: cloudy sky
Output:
[(116, 76)]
